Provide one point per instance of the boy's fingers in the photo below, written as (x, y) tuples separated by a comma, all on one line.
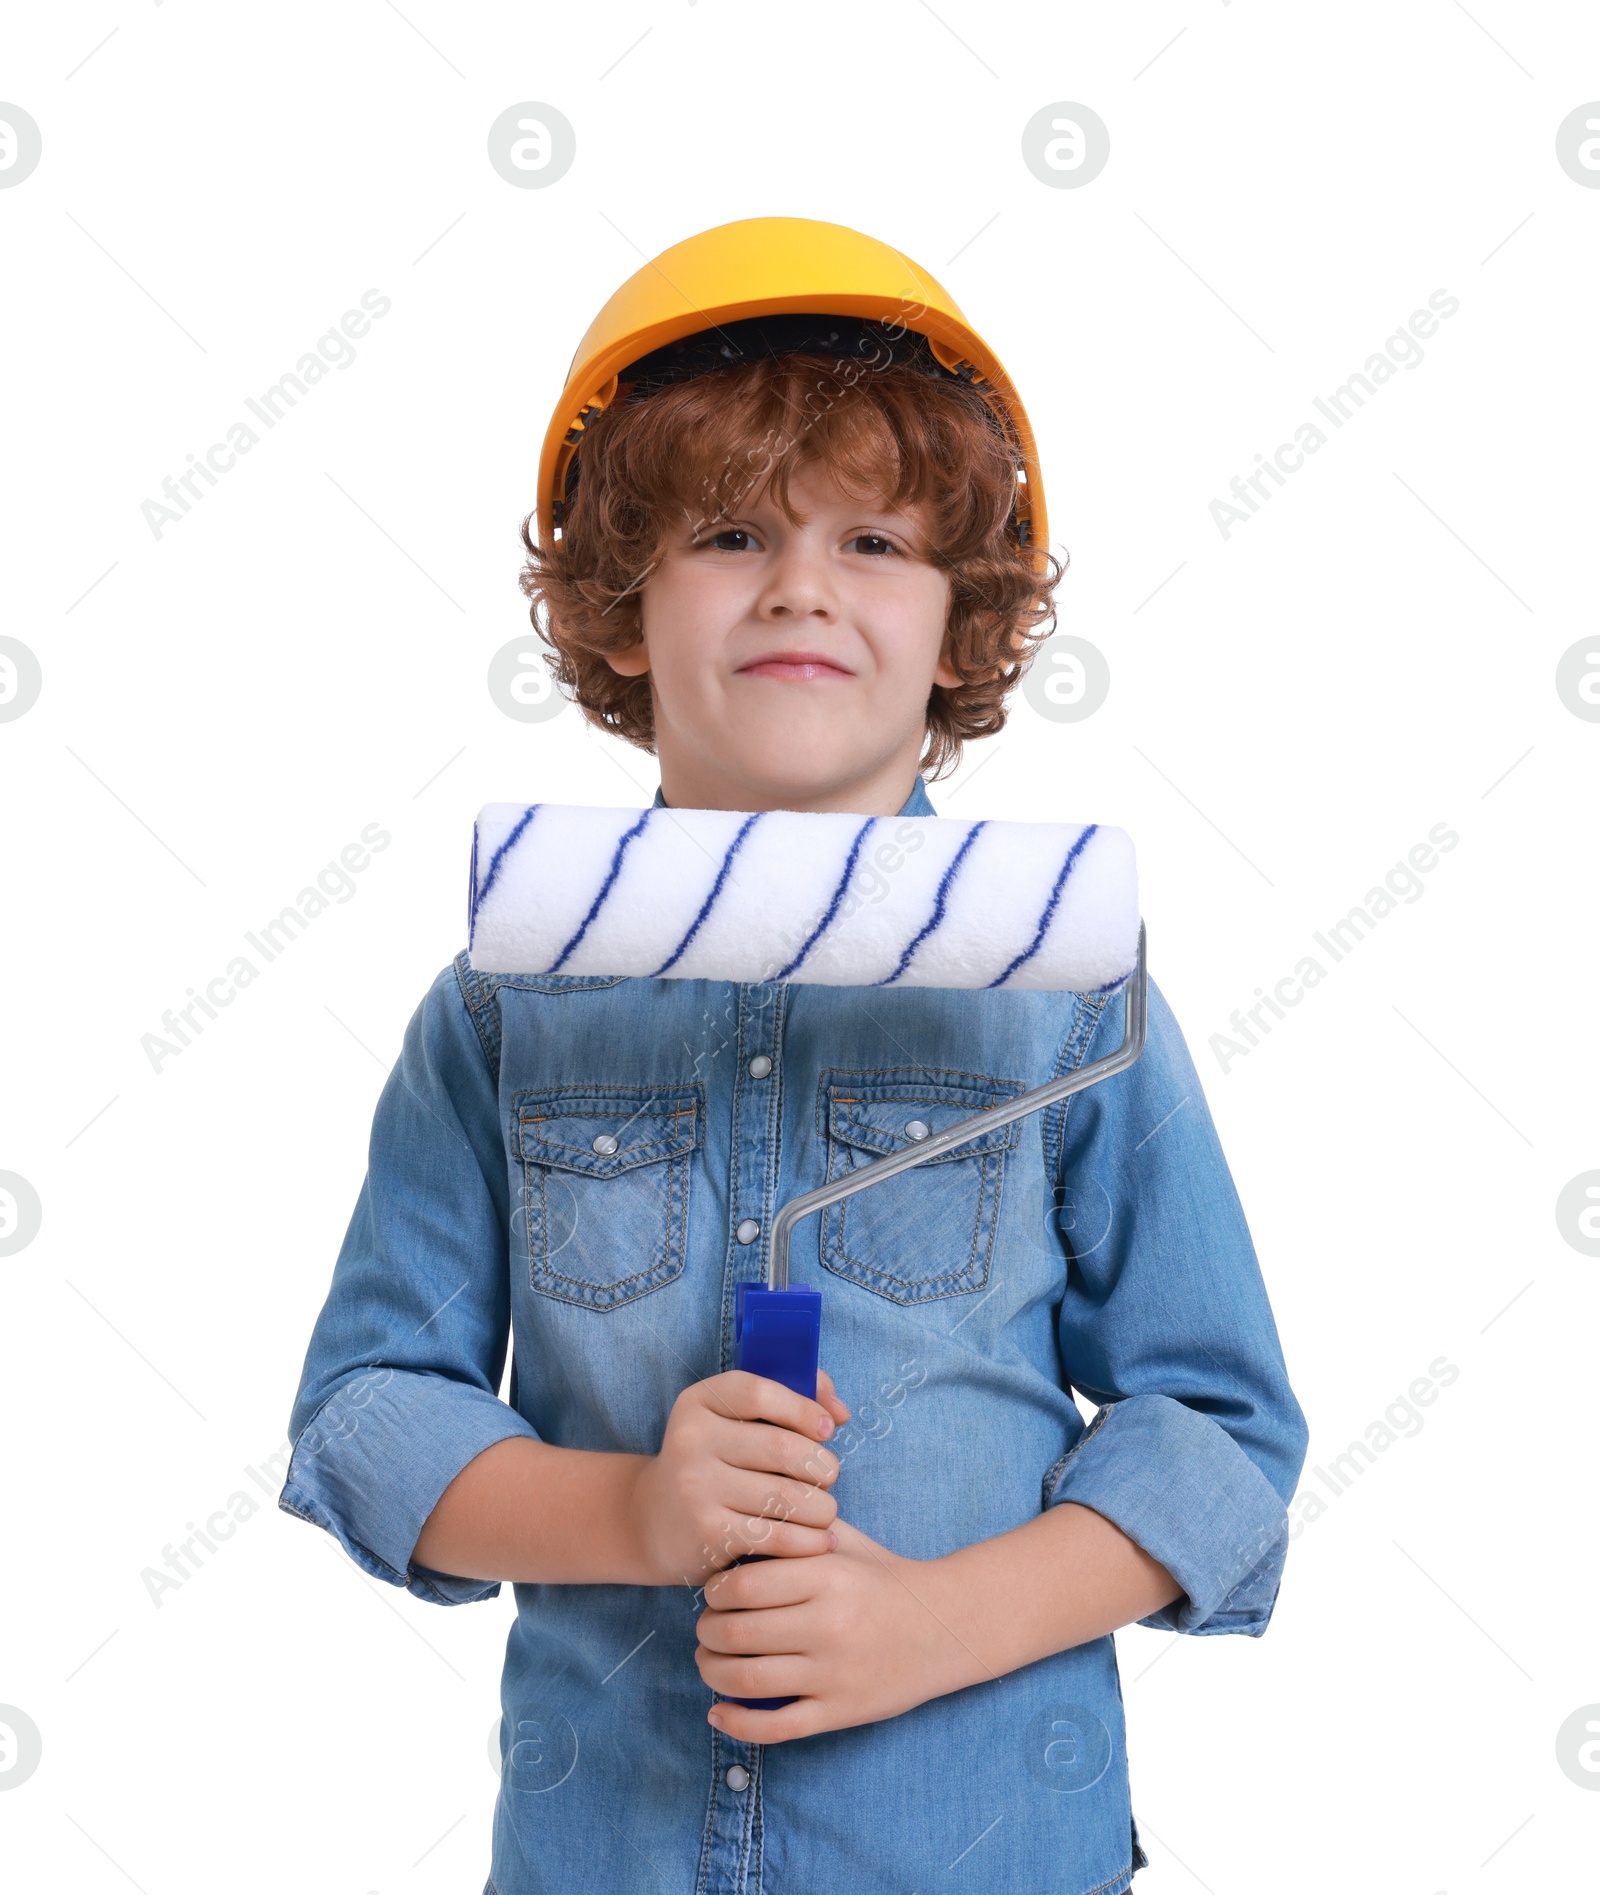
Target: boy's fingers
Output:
[(780, 1540), (800, 1719), (771, 1450), (764, 1583), (783, 1500), (762, 1675), (751, 1397), (736, 1634), (829, 1396)]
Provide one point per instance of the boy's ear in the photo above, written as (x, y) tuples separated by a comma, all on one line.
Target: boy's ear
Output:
[(632, 661), (946, 674)]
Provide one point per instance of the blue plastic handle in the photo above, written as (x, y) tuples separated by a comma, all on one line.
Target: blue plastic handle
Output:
[(776, 1333)]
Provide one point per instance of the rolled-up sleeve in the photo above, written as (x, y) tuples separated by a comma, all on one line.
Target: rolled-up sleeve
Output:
[(1165, 1326), (398, 1391)]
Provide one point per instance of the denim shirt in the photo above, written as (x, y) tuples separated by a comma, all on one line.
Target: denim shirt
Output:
[(1096, 1247)]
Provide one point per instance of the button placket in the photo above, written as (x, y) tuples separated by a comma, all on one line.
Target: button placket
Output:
[(731, 1856), (757, 1098)]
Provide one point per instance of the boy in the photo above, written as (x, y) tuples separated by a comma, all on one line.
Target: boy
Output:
[(792, 543)]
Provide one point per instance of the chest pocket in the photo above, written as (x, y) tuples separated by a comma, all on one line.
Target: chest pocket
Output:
[(929, 1231), (605, 1187)]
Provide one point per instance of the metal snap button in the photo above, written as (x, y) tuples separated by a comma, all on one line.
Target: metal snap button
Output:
[(759, 1067), (736, 1776), (605, 1144), (748, 1231), (916, 1129)]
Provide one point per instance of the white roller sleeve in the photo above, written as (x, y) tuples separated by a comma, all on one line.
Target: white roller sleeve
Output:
[(843, 900)]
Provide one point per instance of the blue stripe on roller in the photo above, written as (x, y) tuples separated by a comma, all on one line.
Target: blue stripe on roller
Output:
[(494, 865), (472, 888), (833, 906), (605, 889), (716, 889), (1032, 948), (938, 906)]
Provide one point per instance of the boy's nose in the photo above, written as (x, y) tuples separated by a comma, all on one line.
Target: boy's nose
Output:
[(798, 585)]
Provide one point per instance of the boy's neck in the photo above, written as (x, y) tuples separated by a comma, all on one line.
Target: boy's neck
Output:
[(880, 793), (915, 803)]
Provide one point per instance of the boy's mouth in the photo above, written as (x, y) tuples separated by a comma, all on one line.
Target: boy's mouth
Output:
[(794, 664)]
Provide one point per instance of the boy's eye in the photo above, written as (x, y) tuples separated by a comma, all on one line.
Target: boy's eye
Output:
[(873, 544), (732, 539)]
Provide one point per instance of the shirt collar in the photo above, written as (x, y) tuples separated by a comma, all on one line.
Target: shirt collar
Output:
[(916, 804)]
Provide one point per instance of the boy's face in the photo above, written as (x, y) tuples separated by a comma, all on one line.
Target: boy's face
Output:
[(790, 665)]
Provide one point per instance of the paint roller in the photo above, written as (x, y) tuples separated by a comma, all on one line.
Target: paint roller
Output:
[(777, 895), (774, 895)]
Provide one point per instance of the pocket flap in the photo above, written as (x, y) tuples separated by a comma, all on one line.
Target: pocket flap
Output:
[(633, 1125), (873, 1115)]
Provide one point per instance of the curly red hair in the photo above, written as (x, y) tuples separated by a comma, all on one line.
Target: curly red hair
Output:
[(701, 447)]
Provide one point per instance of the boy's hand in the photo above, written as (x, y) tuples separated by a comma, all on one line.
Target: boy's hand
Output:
[(740, 1471), (861, 1635)]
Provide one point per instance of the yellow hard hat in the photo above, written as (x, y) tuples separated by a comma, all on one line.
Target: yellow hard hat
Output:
[(772, 268)]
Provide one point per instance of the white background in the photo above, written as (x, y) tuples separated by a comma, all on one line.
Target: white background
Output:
[(1291, 709)]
